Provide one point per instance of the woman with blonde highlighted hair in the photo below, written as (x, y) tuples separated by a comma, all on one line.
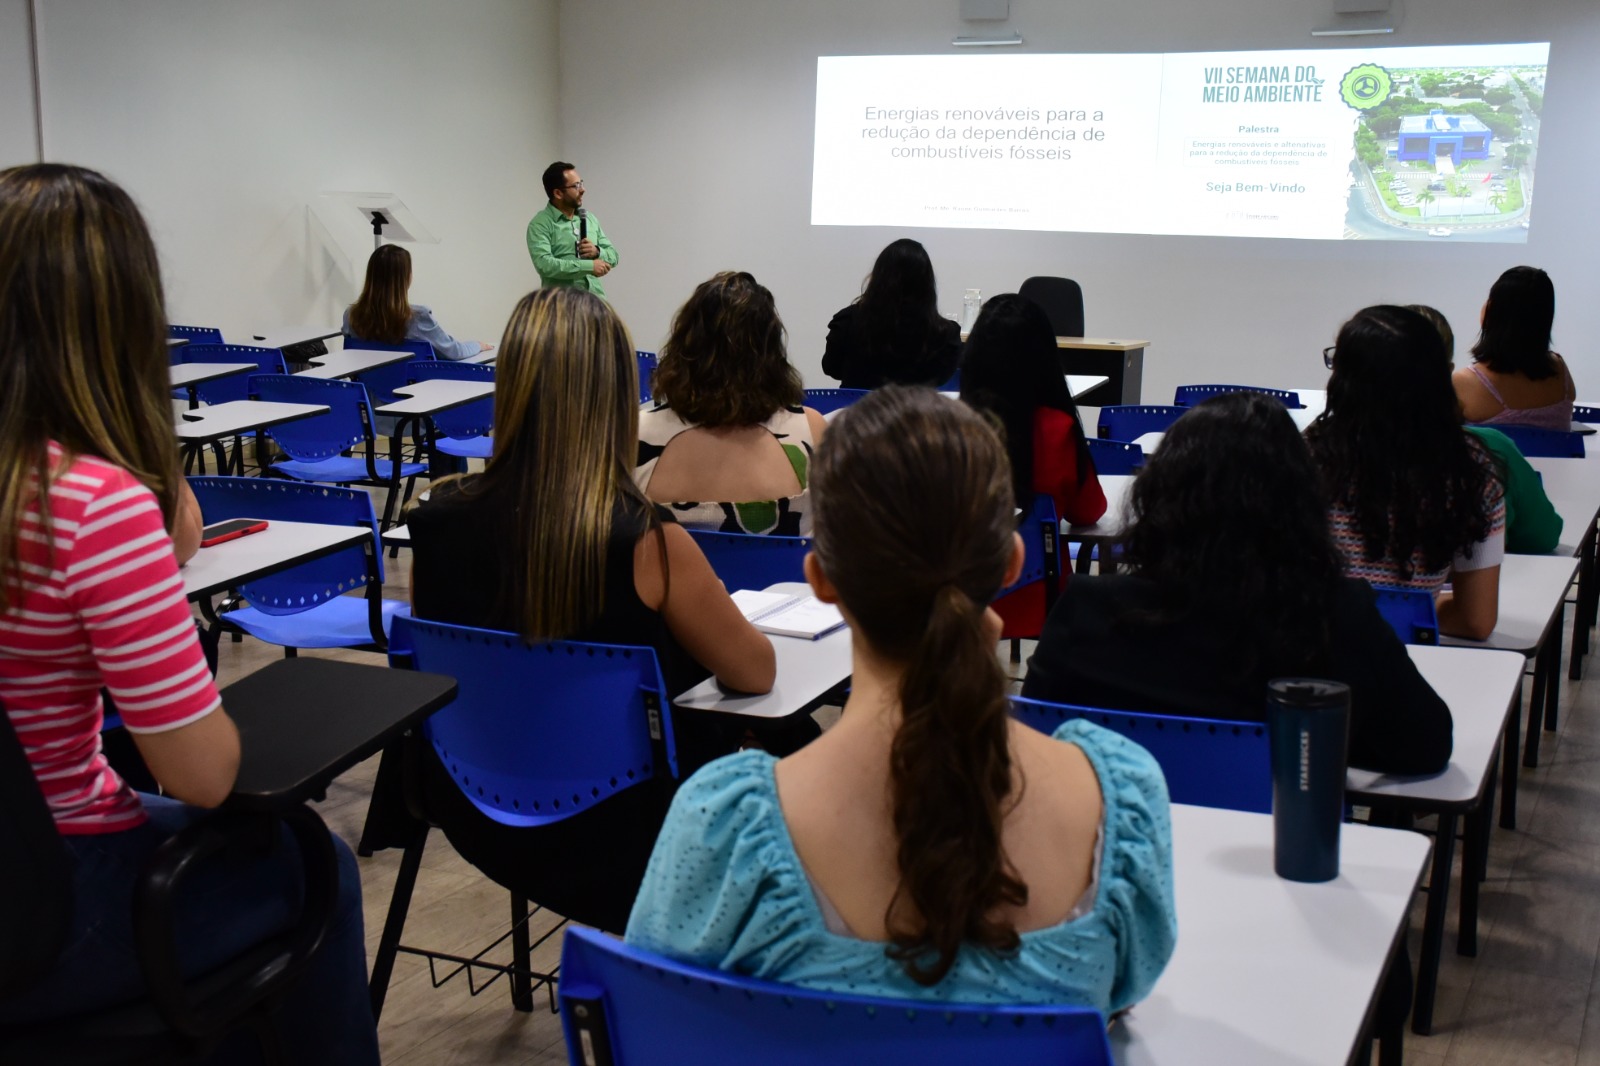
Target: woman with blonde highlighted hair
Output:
[(384, 311), (555, 541), (728, 445)]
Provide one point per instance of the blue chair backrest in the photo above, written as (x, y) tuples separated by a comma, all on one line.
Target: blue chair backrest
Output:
[(823, 401), (1115, 456), (1189, 395), (347, 423), (954, 384), (1580, 413), (475, 419), (1041, 548), (1409, 612), (195, 334), (1131, 421), (382, 381), (627, 1007), (538, 733), (1536, 442), (647, 367), (310, 584), (753, 561), (1207, 762), (235, 386)]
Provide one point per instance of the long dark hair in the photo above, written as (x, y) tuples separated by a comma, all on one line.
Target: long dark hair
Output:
[(383, 310), (898, 314), (1516, 325), (1010, 368), (1227, 519), (1391, 447), (914, 529), (726, 360)]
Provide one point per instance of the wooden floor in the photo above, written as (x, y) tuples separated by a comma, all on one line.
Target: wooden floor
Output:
[(1531, 995)]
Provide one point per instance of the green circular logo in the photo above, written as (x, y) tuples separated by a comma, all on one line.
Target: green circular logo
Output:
[(1366, 86)]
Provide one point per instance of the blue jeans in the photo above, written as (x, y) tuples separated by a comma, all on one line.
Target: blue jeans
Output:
[(224, 907)]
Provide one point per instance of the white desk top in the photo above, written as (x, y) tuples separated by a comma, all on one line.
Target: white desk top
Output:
[(176, 342), (807, 669), (278, 547), (287, 336), (1478, 687), (1078, 384), (1270, 972), (240, 416), (435, 395), (1573, 486), (398, 536), (1532, 588), (182, 375), (1116, 487), (349, 363)]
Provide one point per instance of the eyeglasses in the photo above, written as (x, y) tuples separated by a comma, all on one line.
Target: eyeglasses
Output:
[(574, 185), (1327, 355)]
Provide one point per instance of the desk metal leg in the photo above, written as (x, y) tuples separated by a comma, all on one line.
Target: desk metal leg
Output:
[(1583, 615), (1530, 748), (1510, 756), (1444, 849), (1552, 696), (1474, 853)]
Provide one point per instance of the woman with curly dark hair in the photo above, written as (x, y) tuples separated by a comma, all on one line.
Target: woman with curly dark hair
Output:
[(1233, 579), (728, 445), (1515, 377), (927, 846), (893, 333), (1412, 498)]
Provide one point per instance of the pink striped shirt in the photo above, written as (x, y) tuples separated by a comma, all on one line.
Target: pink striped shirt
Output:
[(100, 603)]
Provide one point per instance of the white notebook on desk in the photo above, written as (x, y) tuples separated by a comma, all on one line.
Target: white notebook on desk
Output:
[(784, 615)]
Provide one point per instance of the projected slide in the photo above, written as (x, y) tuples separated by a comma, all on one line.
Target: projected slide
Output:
[(1423, 143)]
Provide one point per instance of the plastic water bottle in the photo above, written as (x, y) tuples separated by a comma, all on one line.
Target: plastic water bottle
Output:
[(969, 309)]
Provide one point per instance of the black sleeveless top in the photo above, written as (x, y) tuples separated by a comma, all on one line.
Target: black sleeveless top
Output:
[(460, 539)]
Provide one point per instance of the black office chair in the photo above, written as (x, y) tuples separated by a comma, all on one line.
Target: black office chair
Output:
[(180, 1019), (1062, 300)]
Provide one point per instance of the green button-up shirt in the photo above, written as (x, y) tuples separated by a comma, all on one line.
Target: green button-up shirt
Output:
[(553, 245)]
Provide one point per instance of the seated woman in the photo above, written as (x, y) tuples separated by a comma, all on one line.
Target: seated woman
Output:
[(383, 312), (728, 444), (554, 541), (1515, 377), (1011, 371), (835, 868), (91, 598), (1412, 498), (1532, 525), (1233, 579), (893, 332)]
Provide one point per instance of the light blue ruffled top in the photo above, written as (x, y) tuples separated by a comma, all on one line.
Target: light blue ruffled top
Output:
[(725, 889)]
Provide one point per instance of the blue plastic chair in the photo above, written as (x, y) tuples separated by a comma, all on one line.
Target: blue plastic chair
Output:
[(954, 384), (753, 561), (195, 334), (1536, 442), (1189, 395), (825, 401), (1132, 421), (1587, 415), (235, 386), (310, 605), (1115, 456), (628, 1007), (1410, 613), (647, 367), (464, 431), (382, 381), (1207, 762), (1041, 535), (317, 447)]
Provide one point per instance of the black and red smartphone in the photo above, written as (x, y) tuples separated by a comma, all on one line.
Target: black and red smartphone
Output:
[(232, 529)]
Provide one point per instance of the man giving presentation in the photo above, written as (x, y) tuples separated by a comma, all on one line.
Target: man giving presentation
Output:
[(566, 242)]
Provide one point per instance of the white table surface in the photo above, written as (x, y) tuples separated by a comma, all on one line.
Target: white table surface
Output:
[(182, 375), (1573, 486), (278, 547), (1269, 972), (398, 536), (1478, 687), (807, 669), (1115, 487), (287, 336), (435, 395), (240, 416), (348, 363), (177, 342), (1532, 588)]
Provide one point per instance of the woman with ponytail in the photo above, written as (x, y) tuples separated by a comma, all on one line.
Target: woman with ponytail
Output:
[(927, 846)]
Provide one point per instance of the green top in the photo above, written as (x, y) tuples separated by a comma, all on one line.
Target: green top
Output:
[(1532, 525), (553, 245)]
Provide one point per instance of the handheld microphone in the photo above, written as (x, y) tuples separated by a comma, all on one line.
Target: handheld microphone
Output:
[(583, 224)]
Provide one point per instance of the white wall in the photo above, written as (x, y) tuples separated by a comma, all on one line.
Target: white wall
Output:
[(16, 86), (226, 118), (692, 123)]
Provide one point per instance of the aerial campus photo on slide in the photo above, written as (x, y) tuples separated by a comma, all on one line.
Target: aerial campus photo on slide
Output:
[(1414, 143)]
